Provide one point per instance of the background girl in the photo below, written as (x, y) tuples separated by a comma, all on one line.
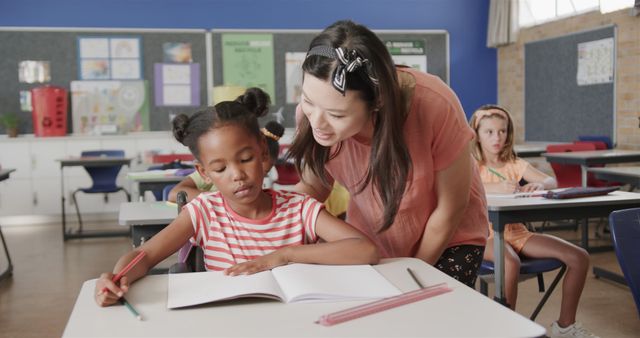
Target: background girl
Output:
[(501, 172)]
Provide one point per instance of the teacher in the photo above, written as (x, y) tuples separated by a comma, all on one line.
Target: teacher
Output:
[(398, 140)]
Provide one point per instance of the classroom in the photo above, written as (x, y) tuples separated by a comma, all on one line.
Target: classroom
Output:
[(93, 92)]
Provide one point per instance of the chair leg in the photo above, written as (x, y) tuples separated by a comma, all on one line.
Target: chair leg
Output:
[(127, 193), (540, 282), (75, 203), (484, 287), (550, 289)]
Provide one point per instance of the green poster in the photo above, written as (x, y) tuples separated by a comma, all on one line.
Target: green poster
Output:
[(247, 61)]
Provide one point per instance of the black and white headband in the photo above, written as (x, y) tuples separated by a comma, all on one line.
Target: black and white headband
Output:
[(350, 62)]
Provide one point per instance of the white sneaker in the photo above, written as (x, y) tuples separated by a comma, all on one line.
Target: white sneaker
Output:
[(575, 330)]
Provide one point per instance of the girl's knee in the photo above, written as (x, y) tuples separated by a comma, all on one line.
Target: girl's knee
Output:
[(577, 258)]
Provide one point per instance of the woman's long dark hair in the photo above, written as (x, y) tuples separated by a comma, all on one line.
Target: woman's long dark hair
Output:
[(389, 162)]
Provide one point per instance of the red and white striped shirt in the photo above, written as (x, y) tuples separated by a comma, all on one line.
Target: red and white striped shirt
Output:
[(228, 238)]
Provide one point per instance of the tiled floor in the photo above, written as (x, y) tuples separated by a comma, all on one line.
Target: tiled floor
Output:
[(37, 300)]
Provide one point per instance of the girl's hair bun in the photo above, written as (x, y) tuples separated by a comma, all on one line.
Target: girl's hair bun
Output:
[(256, 101), (275, 128), (180, 124)]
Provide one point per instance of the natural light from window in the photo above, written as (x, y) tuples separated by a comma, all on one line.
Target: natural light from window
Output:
[(534, 12)]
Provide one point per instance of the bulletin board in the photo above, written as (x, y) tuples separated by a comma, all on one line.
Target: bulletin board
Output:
[(564, 96), (287, 48), (59, 46)]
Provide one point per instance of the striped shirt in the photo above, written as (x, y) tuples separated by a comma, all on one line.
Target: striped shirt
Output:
[(228, 238)]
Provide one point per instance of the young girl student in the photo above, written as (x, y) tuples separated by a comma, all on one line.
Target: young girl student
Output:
[(242, 228), (194, 184), (501, 171), (398, 140)]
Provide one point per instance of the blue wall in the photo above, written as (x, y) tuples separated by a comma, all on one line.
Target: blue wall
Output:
[(473, 66)]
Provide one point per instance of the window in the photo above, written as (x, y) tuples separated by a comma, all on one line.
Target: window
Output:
[(534, 12)]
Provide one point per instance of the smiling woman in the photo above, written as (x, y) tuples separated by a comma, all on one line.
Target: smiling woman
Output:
[(398, 141)]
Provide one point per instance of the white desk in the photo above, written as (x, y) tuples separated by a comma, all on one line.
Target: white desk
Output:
[(4, 174), (152, 180), (629, 175), (516, 210), (87, 161), (587, 158), (146, 218), (460, 313)]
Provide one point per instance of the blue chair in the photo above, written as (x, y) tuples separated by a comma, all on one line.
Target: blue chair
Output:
[(529, 267), (601, 138), (103, 177), (166, 190), (625, 232)]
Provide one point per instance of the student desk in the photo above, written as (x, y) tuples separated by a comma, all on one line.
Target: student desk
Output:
[(4, 174), (146, 218), (87, 162), (151, 180), (517, 210), (460, 313), (587, 158), (629, 175), (530, 149)]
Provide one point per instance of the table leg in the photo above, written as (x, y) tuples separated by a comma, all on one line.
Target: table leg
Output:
[(62, 199), (606, 274), (498, 265), (583, 170), (9, 270)]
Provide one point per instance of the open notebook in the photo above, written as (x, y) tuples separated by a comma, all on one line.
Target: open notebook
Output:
[(288, 283)]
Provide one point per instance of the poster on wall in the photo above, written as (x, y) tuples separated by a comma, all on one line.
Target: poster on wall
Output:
[(247, 61), (595, 62), (177, 84), (408, 53), (176, 52), (293, 68), (34, 71), (109, 107), (109, 58)]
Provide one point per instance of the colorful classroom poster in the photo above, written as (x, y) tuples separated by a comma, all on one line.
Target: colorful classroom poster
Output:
[(177, 84), (99, 107), (247, 61), (34, 71), (293, 68), (595, 62), (109, 58), (176, 52), (408, 53)]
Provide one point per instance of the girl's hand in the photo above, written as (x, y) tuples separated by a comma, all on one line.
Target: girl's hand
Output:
[(532, 187), (113, 292), (266, 262)]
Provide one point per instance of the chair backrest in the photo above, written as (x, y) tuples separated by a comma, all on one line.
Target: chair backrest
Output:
[(568, 175), (166, 190), (103, 177), (601, 138), (287, 174), (166, 158), (599, 144), (625, 232)]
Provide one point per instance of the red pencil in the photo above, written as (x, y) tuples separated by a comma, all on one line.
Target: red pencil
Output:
[(126, 269)]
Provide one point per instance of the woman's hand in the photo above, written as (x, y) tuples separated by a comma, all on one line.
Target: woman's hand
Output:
[(113, 292), (529, 187), (266, 262)]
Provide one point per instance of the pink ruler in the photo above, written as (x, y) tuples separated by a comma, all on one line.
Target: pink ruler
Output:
[(383, 304)]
